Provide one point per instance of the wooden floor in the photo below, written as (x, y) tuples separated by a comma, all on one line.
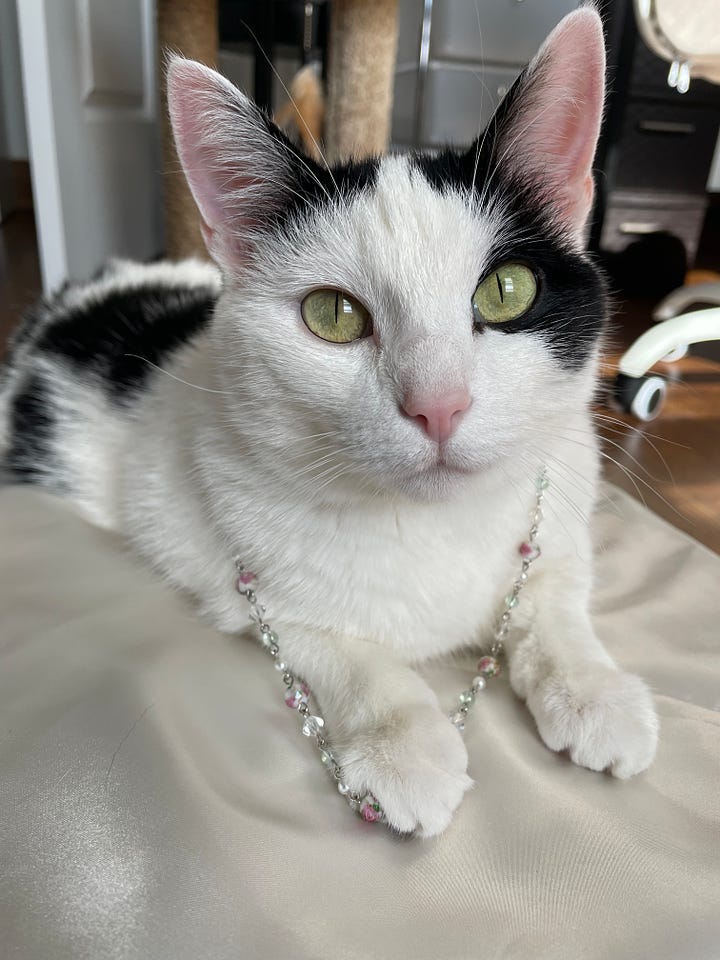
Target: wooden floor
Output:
[(671, 463), (20, 282)]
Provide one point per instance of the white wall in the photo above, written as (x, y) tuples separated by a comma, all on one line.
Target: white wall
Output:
[(89, 73)]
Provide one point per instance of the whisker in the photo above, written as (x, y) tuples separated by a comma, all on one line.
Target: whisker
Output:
[(172, 376)]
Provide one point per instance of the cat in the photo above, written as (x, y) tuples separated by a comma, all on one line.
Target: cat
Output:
[(358, 399)]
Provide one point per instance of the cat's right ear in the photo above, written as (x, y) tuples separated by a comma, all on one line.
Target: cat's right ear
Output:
[(237, 165)]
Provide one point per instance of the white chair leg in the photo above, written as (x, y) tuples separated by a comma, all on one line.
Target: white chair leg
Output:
[(677, 301), (659, 341), (642, 394)]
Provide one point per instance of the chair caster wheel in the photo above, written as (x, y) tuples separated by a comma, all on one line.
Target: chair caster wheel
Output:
[(641, 396), (678, 353)]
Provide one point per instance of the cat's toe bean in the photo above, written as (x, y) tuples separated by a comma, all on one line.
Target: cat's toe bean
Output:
[(415, 762), (604, 718)]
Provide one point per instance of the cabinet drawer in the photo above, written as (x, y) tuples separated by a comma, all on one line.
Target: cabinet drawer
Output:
[(459, 102), (493, 31), (665, 148), (630, 218), (404, 107)]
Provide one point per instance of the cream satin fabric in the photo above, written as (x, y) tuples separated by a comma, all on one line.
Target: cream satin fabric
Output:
[(158, 801)]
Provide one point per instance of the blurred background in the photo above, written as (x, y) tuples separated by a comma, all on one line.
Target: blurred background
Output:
[(87, 169)]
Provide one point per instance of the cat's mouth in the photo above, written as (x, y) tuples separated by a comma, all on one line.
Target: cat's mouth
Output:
[(444, 468), (443, 465), (445, 461), (438, 479)]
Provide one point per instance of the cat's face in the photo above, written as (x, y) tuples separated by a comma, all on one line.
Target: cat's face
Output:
[(467, 315)]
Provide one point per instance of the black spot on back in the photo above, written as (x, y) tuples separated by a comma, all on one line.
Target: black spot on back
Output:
[(30, 456), (114, 337)]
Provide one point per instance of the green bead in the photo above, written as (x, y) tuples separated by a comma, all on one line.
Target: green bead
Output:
[(467, 696)]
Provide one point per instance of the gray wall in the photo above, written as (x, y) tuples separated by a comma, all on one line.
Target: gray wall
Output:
[(13, 135)]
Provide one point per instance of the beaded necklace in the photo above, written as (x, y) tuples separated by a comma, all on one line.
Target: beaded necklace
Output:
[(298, 694)]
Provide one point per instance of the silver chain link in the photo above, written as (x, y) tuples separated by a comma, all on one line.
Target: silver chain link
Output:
[(298, 694)]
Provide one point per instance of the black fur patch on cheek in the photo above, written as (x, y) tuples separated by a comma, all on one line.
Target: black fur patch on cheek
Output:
[(30, 456), (571, 308)]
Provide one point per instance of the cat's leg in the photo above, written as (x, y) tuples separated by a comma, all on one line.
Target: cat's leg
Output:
[(385, 727), (581, 701)]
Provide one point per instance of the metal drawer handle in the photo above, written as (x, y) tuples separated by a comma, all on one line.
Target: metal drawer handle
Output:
[(666, 126), (639, 226)]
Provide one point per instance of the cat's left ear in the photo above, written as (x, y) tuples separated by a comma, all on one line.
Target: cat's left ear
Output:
[(548, 133)]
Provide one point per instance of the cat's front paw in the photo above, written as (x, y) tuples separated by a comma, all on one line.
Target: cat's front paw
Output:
[(603, 717), (414, 761)]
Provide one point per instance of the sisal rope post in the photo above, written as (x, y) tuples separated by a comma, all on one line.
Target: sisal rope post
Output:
[(361, 58), (188, 27)]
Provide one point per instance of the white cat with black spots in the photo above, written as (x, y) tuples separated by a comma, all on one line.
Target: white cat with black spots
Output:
[(380, 486)]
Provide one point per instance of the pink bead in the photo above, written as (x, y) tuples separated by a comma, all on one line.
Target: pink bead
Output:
[(245, 581), (489, 667), (529, 551), (297, 695), (370, 810)]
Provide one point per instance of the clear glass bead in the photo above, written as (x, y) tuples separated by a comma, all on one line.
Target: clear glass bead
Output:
[(457, 719), (312, 726), (257, 612), (467, 696), (327, 758)]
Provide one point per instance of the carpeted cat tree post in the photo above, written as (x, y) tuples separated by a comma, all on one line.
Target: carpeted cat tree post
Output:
[(361, 56), (189, 27)]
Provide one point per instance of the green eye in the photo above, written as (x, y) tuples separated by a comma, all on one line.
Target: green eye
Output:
[(506, 294), (333, 315)]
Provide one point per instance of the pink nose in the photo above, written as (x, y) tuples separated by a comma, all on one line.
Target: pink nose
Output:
[(437, 415)]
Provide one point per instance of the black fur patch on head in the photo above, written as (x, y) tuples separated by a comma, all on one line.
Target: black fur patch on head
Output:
[(570, 311), (30, 457), (314, 185), (112, 337)]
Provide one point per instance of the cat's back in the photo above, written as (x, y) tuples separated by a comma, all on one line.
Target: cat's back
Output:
[(79, 362)]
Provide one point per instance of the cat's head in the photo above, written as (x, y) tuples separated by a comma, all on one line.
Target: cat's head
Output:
[(403, 323)]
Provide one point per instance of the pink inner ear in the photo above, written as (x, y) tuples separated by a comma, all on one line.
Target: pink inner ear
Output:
[(553, 138), (225, 154), (195, 99)]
